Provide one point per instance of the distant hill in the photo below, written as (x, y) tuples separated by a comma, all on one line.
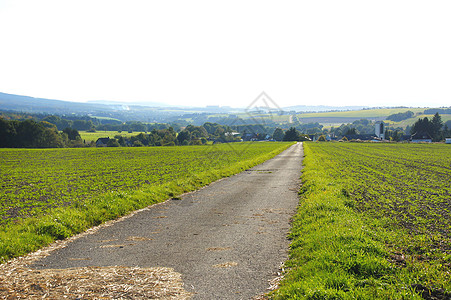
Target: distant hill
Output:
[(149, 112), (321, 108), (42, 105), (130, 111), (326, 115)]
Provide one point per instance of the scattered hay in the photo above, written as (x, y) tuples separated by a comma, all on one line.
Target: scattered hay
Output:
[(92, 283), (228, 264), (18, 281), (138, 238)]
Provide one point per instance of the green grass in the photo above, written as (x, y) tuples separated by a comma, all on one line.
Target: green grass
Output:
[(52, 194), (373, 223), (93, 136)]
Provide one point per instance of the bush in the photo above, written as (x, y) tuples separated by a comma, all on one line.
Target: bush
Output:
[(113, 143)]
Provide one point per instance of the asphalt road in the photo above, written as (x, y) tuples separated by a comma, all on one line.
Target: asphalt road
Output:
[(227, 240)]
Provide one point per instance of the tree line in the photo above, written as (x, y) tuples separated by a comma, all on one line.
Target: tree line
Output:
[(31, 134), (433, 129)]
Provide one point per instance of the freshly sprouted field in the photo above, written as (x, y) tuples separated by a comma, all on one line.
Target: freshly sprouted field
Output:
[(54, 193), (373, 223)]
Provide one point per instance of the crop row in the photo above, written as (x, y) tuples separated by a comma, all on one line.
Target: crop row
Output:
[(33, 181), (409, 183), (373, 223)]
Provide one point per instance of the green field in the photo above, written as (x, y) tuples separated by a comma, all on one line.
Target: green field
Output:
[(93, 136), (411, 121), (373, 223), (54, 193), (336, 118), (361, 114)]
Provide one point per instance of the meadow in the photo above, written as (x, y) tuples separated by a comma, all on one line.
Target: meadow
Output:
[(373, 223), (50, 194), (93, 136), (361, 114)]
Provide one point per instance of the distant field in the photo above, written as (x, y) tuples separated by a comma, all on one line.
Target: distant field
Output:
[(411, 121), (337, 118), (374, 223), (264, 117), (93, 136), (361, 114), (51, 194)]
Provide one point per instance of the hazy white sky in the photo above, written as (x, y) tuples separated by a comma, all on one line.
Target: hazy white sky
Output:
[(374, 53)]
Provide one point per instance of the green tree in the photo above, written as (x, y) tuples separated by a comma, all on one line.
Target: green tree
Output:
[(183, 136), (437, 125), (351, 131), (121, 141), (50, 139), (112, 143), (422, 128), (7, 133), (394, 135), (82, 125), (292, 135), (197, 131), (72, 134), (430, 129), (278, 134)]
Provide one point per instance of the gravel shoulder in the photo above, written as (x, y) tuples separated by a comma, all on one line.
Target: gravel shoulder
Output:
[(227, 240)]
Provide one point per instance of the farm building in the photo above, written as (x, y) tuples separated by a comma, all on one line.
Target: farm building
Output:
[(417, 138), (102, 142), (379, 130), (448, 140), (362, 137)]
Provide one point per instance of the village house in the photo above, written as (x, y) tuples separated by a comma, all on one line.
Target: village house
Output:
[(102, 142)]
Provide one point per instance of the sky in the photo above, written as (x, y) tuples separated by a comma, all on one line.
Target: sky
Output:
[(197, 53)]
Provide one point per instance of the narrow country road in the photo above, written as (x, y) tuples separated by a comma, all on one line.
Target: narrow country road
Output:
[(227, 240)]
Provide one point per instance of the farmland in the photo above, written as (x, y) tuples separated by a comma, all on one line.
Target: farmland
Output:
[(411, 121), (374, 223), (361, 114), (93, 136), (53, 193)]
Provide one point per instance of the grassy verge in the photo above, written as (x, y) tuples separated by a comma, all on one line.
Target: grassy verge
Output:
[(27, 235), (341, 252)]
